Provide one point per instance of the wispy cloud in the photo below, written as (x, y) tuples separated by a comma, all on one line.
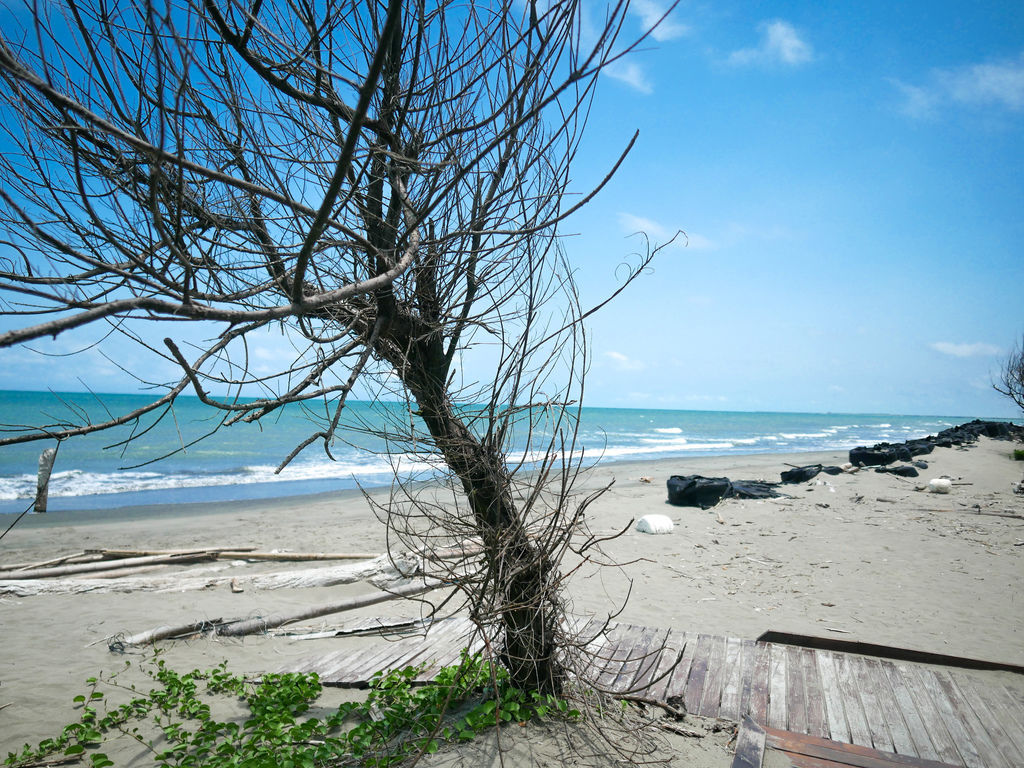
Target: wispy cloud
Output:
[(780, 44), (651, 13), (977, 349), (997, 84), (659, 234), (624, 363), (631, 73)]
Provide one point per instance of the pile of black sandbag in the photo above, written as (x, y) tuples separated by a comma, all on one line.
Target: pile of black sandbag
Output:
[(882, 454), (704, 492)]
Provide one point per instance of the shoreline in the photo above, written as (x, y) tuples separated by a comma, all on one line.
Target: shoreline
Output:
[(858, 557)]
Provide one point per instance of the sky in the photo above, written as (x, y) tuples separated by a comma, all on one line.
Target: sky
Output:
[(849, 182)]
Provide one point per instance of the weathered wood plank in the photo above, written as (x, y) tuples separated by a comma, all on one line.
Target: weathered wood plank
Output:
[(855, 719), (1007, 734), (732, 690), (759, 684), (974, 730), (674, 644), (777, 697), (748, 657), (930, 715), (803, 750), (961, 740), (638, 653), (919, 734), (711, 699), (888, 708), (698, 673), (750, 743), (647, 666), (835, 712), (869, 698), (817, 723), (677, 684), (796, 692)]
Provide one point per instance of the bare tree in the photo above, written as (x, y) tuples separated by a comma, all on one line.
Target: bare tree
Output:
[(1011, 378), (383, 180)]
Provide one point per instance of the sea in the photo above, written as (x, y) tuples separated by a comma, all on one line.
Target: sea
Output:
[(107, 470)]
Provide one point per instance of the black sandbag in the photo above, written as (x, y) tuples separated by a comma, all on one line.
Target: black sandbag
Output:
[(904, 470), (880, 455), (697, 491), (832, 470), (801, 474), (921, 464), (754, 489)]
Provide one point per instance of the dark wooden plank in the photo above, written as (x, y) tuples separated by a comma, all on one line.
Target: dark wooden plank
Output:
[(671, 655), (698, 673), (639, 652), (647, 666), (859, 732), (919, 734), (711, 699), (842, 754), (676, 688), (758, 703), (612, 658), (888, 708), (777, 696), (817, 723), (732, 690), (985, 748), (796, 692), (750, 743), (835, 712), (872, 707), (1007, 735), (748, 657)]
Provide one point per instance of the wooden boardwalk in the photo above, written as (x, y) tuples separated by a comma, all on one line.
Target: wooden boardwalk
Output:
[(940, 714)]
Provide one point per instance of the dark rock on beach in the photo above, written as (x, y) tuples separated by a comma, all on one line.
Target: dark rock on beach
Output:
[(883, 454)]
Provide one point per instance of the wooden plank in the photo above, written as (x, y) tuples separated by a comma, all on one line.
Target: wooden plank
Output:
[(748, 657), (928, 709), (647, 667), (732, 690), (711, 699), (637, 654), (961, 740), (835, 753), (1004, 731), (817, 723), (674, 644), (835, 712), (869, 698), (677, 684), (777, 697), (988, 754), (758, 703), (750, 743), (1015, 709), (888, 708), (614, 656), (698, 673), (919, 734), (796, 692), (859, 732)]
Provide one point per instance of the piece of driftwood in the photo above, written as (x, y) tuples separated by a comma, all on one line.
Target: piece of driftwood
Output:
[(77, 557), (111, 554), (46, 459), (165, 632), (297, 556), (106, 565), (262, 624), (118, 573)]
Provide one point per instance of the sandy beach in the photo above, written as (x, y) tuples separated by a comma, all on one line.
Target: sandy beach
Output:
[(864, 557)]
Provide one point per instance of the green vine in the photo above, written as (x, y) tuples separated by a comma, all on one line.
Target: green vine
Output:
[(396, 721)]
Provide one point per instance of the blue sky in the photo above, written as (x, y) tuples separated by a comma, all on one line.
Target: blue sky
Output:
[(850, 179)]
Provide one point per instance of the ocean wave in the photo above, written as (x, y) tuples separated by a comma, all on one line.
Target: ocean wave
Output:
[(669, 430)]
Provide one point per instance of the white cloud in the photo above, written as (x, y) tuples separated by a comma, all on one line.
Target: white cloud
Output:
[(780, 44), (631, 73), (624, 363), (659, 234), (992, 84), (650, 13), (977, 349)]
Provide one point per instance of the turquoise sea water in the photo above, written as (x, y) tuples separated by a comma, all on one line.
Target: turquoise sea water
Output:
[(93, 472)]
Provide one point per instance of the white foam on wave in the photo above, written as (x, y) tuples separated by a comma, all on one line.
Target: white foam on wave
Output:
[(669, 430), (76, 482), (803, 435)]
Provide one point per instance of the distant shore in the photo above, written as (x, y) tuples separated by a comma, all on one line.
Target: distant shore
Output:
[(862, 556)]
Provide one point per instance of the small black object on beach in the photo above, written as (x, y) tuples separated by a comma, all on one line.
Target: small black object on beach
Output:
[(705, 492)]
